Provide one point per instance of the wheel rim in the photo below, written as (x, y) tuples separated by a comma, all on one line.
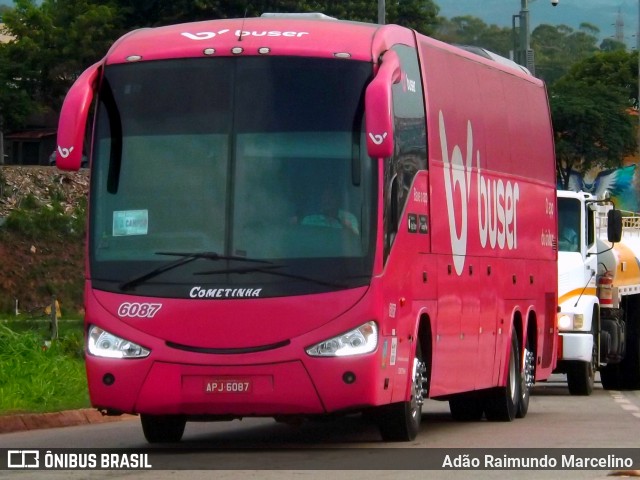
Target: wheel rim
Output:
[(419, 386), (528, 368)]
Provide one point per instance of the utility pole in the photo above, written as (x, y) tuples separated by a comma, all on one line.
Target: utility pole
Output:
[(523, 54), (381, 12)]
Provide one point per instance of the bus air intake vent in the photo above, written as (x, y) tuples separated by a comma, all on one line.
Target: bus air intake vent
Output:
[(228, 351)]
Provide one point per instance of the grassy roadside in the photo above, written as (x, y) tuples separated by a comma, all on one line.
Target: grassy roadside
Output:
[(36, 377)]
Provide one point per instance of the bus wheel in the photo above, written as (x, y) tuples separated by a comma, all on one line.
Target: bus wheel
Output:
[(502, 404), (400, 422), (527, 379), (162, 428)]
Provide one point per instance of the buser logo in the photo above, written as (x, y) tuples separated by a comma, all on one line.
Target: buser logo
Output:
[(243, 33), (497, 201)]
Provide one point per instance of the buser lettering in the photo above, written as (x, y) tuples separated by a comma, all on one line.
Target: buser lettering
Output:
[(273, 33), (497, 201), (242, 33)]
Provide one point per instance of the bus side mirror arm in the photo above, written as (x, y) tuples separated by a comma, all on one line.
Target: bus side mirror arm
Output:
[(73, 120), (379, 107)]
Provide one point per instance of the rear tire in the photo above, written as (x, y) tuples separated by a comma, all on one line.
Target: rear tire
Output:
[(626, 374), (502, 404), (527, 378), (163, 428), (630, 366), (400, 422)]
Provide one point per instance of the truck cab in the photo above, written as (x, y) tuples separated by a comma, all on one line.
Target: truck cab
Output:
[(579, 308), (596, 294)]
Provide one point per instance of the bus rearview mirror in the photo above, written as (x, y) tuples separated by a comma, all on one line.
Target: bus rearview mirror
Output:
[(379, 107)]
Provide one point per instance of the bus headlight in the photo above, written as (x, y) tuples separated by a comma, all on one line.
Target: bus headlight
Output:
[(358, 341), (104, 344)]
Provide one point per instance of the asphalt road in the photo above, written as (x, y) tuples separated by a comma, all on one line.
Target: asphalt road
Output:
[(351, 448)]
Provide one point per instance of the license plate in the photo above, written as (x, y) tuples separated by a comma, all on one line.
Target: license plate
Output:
[(224, 385)]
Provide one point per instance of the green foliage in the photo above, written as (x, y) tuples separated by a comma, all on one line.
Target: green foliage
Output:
[(37, 378), (421, 15), (558, 47), (55, 42), (468, 30), (592, 127), (616, 68), (36, 221), (590, 109)]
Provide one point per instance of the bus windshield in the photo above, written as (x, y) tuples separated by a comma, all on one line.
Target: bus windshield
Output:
[(245, 174)]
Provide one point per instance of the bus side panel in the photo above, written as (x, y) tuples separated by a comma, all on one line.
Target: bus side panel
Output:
[(492, 177)]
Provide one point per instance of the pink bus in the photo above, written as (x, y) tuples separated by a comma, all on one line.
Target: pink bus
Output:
[(295, 216)]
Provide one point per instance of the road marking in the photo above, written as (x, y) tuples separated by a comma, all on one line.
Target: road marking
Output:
[(625, 403), (629, 407)]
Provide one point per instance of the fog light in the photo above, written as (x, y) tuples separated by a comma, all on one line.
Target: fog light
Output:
[(349, 378), (108, 379)]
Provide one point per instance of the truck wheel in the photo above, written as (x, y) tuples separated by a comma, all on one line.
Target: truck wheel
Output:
[(527, 378), (503, 403), (466, 408), (630, 365), (162, 428), (580, 378), (611, 377), (400, 422), (581, 375)]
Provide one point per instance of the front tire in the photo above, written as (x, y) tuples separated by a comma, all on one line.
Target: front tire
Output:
[(163, 428), (502, 404), (580, 378), (400, 422)]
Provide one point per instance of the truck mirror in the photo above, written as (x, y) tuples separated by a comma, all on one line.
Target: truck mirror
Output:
[(73, 120), (379, 107), (614, 226)]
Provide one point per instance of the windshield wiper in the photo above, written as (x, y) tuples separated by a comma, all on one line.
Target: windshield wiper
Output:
[(186, 257), (269, 269)]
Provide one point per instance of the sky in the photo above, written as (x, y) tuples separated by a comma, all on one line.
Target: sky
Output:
[(601, 13)]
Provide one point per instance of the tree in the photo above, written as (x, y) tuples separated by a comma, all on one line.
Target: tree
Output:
[(54, 43), (617, 68), (593, 128), (591, 107), (611, 45), (558, 47), (418, 14), (468, 30)]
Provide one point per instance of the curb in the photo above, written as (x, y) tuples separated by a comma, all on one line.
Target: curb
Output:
[(67, 418)]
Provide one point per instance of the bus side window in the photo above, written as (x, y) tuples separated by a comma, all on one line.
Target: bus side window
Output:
[(410, 154)]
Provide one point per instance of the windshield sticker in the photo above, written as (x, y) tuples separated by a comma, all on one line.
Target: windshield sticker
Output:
[(199, 292), (130, 222)]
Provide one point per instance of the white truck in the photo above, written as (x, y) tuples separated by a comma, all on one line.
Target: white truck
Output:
[(599, 294)]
